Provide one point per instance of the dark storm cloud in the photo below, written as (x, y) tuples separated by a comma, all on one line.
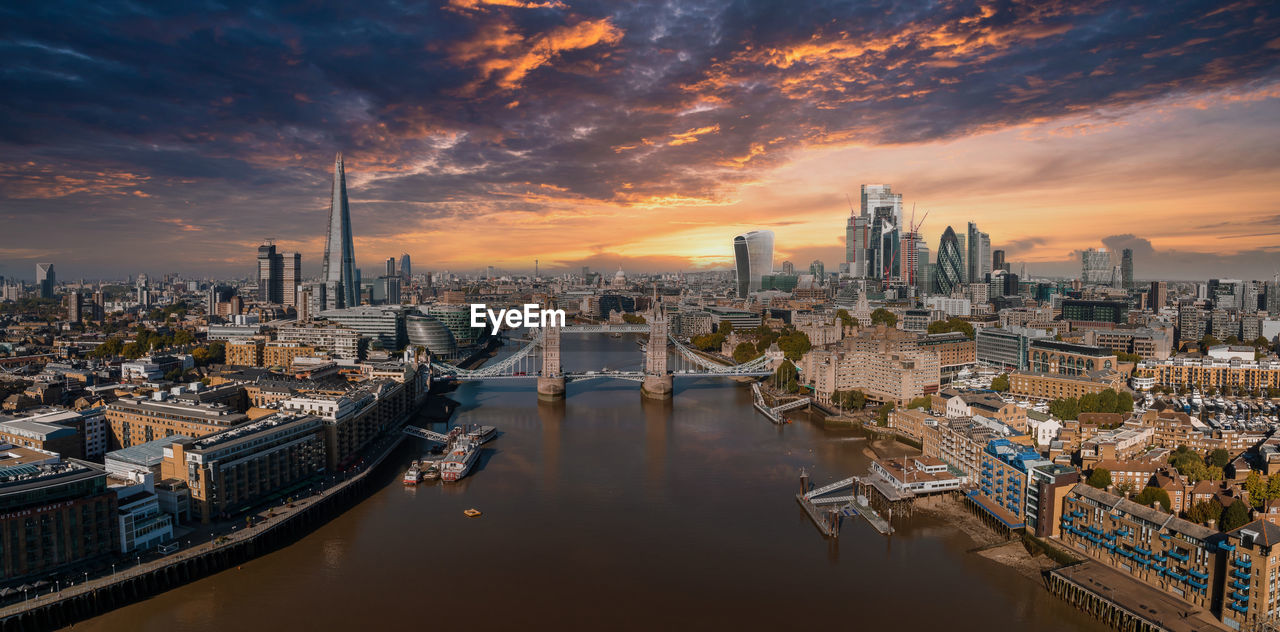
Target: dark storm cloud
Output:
[(220, 112)]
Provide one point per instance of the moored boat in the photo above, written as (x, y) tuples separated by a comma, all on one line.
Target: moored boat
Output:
[(413, 474)]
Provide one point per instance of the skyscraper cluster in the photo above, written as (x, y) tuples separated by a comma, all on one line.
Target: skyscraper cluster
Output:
[(874, 236)]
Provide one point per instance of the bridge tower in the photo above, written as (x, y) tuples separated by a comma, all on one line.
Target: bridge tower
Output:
[(657, 379), (551, 381)]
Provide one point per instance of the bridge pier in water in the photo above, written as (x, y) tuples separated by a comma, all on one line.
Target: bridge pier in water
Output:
[(551, 382)]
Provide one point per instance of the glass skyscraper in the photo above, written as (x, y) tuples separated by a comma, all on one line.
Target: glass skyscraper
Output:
[(339, 252), (950, 269), (1095, 266), (753, 258)]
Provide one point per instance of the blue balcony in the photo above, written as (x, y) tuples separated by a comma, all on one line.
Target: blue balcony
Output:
[(1196, 573), (1242, 562), (1226, 546), (1197, 585), (1124, 533), (1109, 546), (1238, 586), (1178, 556), (1165, 536), (1239, 597), (1124, 553), (1142, 551), (1238, 608), (1239, 574), (1178, 576)]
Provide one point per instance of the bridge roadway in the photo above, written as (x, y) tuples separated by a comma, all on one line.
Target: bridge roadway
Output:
[(635, 376)]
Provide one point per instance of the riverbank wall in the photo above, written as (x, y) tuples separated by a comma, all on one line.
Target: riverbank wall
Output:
[(128, 586)]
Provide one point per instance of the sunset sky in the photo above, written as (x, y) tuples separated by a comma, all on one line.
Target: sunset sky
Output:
[(636, 134)]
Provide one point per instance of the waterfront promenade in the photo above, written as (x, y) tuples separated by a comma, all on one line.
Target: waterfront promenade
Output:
[(214, 549)]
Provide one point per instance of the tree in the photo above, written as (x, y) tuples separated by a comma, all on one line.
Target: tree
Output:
[(950, 325), (1124, 356), (634, 319), (794, 345), (725, 327), (924, 402), (845, 319), (1152, 495), (1066, 408), (882, 316), (1214, 473), (1232, 340), (1208, 341), (1236, 516), (852, 399), (1100, 478), (1001, 383), (111, 348), (882, 414), (786, 377), (1273, 487), (1256, 489), (743, 352), (1219, 457), (1204, 511)]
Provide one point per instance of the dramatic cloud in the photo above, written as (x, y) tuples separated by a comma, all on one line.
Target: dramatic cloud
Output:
[(481, 131)]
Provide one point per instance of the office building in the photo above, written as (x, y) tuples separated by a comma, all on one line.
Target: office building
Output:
[(1158, 297), (1126, 268), (998, 262), (950, 271), (54, 514), (753, 258), (430, 333), (979, 258), (290, 277), (1095, 266), (339, 251), (133, 420), (406, 273), (1006, 348), (1115, 312), (383, 324), (924, 269), (233, 470), (46, 279)]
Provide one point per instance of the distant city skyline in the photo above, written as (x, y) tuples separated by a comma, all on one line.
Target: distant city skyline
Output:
[(602, 136)]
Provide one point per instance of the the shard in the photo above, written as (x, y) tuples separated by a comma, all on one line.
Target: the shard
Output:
[(339, 253)]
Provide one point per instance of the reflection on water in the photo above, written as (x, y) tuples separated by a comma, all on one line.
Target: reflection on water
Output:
[(608, 511)]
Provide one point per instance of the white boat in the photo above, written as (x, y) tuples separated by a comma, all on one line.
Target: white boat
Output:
[(413, 474), (482, 434), (462, 454)]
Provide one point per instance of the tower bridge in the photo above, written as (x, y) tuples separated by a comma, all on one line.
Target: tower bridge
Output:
[(539, 359)]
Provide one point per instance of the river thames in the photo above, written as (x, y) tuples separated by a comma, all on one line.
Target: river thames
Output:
[(608, 512)]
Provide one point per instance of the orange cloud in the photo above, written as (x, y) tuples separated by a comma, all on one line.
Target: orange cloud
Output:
[(505, 56)]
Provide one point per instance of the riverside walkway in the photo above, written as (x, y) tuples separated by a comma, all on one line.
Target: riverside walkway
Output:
[(221, 547)]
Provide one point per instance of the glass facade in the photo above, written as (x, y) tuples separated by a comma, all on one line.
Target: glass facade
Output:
[(950, 269), (753, 258)]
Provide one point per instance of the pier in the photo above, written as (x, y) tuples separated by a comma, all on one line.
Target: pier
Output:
[(858, 503), (1102, 592), (774, 413)]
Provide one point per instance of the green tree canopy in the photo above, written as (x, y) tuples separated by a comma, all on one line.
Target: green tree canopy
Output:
[(1100, 478), (845, 319), (1152, 495), (1204, 511), (882, 316), (1236, 516), (950, 325), (1001, 383), (744, 352)]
